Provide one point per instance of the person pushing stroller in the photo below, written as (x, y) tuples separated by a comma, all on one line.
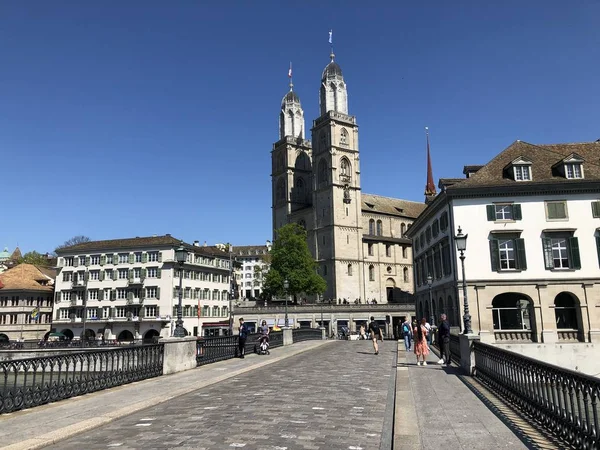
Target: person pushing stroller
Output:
[(263, 340)]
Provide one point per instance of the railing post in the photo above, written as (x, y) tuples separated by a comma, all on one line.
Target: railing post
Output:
[(323, 333), (467, 355), (288, 338)]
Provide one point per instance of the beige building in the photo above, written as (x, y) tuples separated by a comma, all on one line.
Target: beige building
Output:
[(26, 294), (357, 239)]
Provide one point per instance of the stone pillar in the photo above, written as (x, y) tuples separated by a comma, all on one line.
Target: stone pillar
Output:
[(179, 354), (287, 336), (467, 356), (323, 333)]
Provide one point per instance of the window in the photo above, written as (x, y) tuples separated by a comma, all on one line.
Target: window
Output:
[(153, 257), (67, 276), (511, 312), (93, 295), (372, 227), (123, 273), (522, 173), (95, 260), (504, 212), (92, 313), (388, 250), (66, 296), (565, 311), (573, 170), (69, 262), (322, 172), (508, 253), (389, 269), (94, 275), (405, 272), (371, 273), (120, 312), (370, 249), (596, 209), (556, 210), (109, 259), (402, 229), (428, 234), (561, 251), (108, 274), (215, 311), (151, 311), (343, 137), (435, 228), (404, 252), (63, 313), (379, 228), (82, 260), (121, 294), (444, 221), (138, 257), (151, 272), (349, 270), (123, 258)]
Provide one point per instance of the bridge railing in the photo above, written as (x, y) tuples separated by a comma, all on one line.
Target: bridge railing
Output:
[(454, 347), (213, 349), (25, 383), (306, 334), (564, 402)]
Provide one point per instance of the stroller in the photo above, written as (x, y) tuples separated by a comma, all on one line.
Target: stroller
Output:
[(262, 347)]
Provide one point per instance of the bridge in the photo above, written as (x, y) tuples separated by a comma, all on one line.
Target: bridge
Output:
[(314, 394)]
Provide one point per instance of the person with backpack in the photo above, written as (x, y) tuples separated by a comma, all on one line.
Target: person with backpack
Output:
[(375, 334), (407, 334)]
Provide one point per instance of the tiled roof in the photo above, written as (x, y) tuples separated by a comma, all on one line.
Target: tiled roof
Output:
[(542, 157), (393, 206), (250, 250), (112, 244), (16, 254), (26, 277)]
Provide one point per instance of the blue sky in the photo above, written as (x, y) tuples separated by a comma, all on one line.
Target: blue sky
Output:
[(133, 118)]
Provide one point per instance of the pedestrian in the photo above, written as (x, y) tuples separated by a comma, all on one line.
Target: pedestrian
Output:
[(428, 328), (421, 349), (375, 334), (444, 343), (407, 334), (362, 331), (242, 335)]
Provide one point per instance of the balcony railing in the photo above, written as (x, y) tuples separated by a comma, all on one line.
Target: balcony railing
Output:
[(78, 284), (134, 301), (135, 281), (570, 336)]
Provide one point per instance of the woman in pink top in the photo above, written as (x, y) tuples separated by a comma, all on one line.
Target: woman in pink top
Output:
[(420, 337)]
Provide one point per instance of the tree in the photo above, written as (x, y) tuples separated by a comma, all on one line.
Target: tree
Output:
[(74, 241), (34, 258), (291, 260)]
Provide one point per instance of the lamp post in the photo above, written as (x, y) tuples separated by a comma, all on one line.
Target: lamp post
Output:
[(85, 281), (461, 246), (321, 301), (180, 257), (286, 286), (231, 290), (429, 283)]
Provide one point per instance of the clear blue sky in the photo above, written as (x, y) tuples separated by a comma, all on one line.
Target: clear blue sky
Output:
[(132, 118)]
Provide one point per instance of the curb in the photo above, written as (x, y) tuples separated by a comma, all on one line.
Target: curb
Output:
[(89, 424)]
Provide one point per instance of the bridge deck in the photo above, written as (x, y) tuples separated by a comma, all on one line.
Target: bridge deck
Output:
[(311, 395)]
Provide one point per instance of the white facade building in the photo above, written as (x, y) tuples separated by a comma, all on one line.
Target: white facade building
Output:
[(532, 216), (251, 268), (128, 289)]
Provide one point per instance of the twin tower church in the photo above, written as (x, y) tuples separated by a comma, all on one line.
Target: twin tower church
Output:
[(357, 239)]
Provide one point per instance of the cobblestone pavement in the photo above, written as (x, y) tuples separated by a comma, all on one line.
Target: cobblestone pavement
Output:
[(331, 398)]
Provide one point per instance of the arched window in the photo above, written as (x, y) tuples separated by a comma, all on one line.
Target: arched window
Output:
[(379, 228), (565, 310), (405, 272), (402, 229), (372, 227), (280, 190), (335, 96), (350, 270), (300, 191), (302, 162), (292, 123), (343, 137), (371, 273), (323, 172), (511, 311)]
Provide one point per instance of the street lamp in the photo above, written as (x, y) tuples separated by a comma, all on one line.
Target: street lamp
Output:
[(461, 246), (429, 283), (231, 290), (318, 297), (85, 293), (286, 286), (180, 257)]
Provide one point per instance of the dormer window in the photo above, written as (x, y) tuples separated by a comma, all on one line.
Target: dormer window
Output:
[(571, 167), (519, 169), (522, 173), (573, 170)]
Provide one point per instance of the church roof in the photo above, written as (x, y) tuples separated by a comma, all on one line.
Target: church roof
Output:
[(332, 70), (26, 277), (290, 97), (4, 254), (391, 206), (16, 254)]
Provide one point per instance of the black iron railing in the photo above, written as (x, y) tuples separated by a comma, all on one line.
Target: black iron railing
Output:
[(564, 402), (210, 350), (42, 345), (306, 334), (454, 347), (26, 383)]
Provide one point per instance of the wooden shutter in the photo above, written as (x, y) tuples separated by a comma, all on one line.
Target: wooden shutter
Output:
[(491, 213), (130, 274), (113, 294), (595, 209), (520, 260), (547, 248), (102, 275), (574, 259), (143, 274), (598, 248), (494, 255), (116, 259), (100, 295), (103, 260), (516, 210), (87, 261), (159, 256), (131, 258), (158, 271), (130, 295), (115, 273), (157, 293), (144, 257)]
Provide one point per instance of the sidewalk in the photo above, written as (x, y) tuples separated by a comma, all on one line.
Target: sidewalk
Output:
[(44, 425)]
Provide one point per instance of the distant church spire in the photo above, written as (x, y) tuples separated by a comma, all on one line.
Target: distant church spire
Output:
[(430, 191), (291, 116), (333, 94)]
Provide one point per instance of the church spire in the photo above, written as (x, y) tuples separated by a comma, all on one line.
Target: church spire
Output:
[(333, 95), (430, 186), (291, 116)]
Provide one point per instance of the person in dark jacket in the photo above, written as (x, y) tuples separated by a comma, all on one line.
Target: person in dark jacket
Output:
[(242, 335), (444, 340)]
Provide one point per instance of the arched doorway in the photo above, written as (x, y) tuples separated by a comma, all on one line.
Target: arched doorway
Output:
[(90, 334), (513, 317), (68, 333), (125, 335), (390, 285), (151, 334), (568, 317), (3, 338)]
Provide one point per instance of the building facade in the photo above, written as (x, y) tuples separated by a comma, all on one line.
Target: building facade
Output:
[(26, 294), (252, 264), (357, 239), (128, 289), (532, 216)]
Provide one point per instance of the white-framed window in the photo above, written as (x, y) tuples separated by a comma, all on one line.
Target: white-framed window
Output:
[(80, 296), (120, 312), (105, 313), (63, 313), (150, 311), (82, 260), (66, 296), (123, 273), (138, 257), (573, 170), (556, 210), (94, 275), (121, 294), (93, 295), (109, 258), (506, 250), (92, 313), (106, 295), (69, 261), (504, 212), (151, 292), (123, 258), (108, 274), (215, 311), (153, 257), (561, 251), (95, 259), (67, 276), (522, 173), (137, 273), (151, 272)]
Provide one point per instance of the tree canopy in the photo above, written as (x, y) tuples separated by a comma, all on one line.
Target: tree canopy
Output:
[(291, 260), (74, 241), (35, 258)]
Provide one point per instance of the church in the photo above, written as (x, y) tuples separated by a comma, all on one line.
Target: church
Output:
[(357, 239)]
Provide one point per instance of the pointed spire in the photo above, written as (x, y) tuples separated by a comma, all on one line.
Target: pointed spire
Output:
[(331, 54), (430, 191), (290, 77)]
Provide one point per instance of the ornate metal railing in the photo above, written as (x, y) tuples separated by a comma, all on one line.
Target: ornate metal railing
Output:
[(306, 334), (276, 339), (564, 402), (210, 350), (26, 383)]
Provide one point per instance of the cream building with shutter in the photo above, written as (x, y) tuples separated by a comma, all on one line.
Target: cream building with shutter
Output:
[(357, 239), (128, 289)]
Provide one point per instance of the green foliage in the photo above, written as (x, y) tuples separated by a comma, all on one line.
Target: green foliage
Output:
[(291, 260), (34, 258)]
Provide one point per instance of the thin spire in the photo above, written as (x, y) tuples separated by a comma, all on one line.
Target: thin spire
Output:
[(331, 55), (430, 186), (290, 77)]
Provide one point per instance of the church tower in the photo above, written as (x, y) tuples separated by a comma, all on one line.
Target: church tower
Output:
[(291, 175), (337, 226)]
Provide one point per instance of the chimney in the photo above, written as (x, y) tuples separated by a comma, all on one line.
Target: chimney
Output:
[(196, 243), (430, 186)]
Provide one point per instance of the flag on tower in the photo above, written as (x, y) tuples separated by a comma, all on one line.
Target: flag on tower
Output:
[(290, 71), (331, 36)]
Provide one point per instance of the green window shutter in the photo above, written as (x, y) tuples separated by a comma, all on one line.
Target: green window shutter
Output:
[(595, 209), (116, 259), (144, 257), (598, 248), (516, 210), (491, 213), (87, 261), (158, 271), (521, 259), (157, 293), (130, 275), (100, 294), (102, 260), (130, 296), (143, 273), (113, 294), (574, 259), (159, 256), (131, 258), (548, 259), (494, 255), (102, 275), (174, 292), (114, 277), (86, 276)]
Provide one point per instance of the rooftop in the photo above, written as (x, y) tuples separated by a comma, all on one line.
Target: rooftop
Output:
[(392, 206), (26, 277)]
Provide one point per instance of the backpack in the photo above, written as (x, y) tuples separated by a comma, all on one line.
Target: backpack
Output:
[(375, 327), (405, 328)]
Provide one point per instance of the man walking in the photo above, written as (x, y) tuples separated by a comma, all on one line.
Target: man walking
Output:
[(242, 335), (444, 336), (407, 333), (375, 334)]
